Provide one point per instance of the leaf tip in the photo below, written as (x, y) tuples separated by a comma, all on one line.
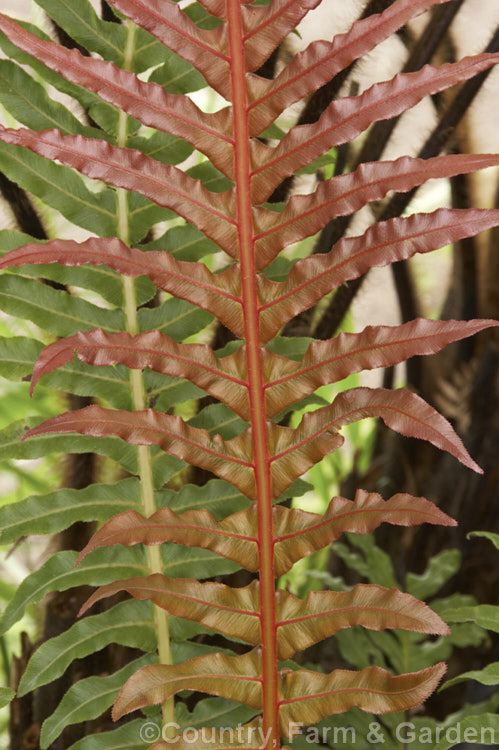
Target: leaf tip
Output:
[(116, 714), (27, 434), (474, 466), (89, 603), (440, 669), (123, 705), (34, 381), (84, 552), (436, 674)]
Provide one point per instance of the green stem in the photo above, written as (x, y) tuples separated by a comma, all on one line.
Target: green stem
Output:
[(139, 400), (5, 659)]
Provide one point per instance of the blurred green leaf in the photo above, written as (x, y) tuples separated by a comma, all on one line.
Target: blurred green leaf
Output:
[(175, 318), (50, 513), (100, 279), (42, 445), (6, 695), (485, 615), (219, 419), (126, 737), (59, 574), (52, 309), (439, 570), (88, 699), (128, 624), (482, 730), (28, 102), (494, 538), (105, 115), (62, 189), (489, 675), (184, 242)]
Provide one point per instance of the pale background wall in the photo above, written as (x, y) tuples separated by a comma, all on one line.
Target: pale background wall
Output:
[(471, 30)]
